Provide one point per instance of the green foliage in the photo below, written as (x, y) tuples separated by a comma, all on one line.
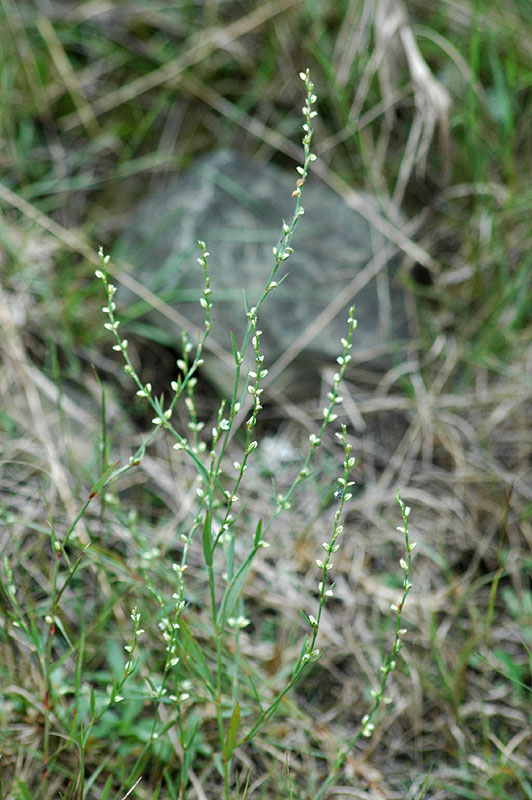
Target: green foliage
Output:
[(94, 103), (112, 706)]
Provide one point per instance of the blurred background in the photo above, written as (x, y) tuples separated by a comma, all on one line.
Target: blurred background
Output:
[(426, 108)]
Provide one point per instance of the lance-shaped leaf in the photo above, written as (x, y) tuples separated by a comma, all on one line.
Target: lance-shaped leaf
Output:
[(234, 589), (232, 730), (207, 541)]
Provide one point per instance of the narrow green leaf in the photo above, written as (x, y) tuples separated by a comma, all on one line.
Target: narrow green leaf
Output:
[(301, 654), (192, 734), (79, 660), (234, 590), (169, 779), (232, 730), (207, 541), (107, 788), (157, 792), (103, 479), (73, 569), (235, 348), (230, 558), (193, 654), (25, 793), (61, 627), (255, 691), (258, 533)]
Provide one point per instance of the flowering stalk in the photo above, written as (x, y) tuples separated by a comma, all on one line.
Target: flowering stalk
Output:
[(282, 250), (163, 416), (214, 518), (311, 654), (390, 662)]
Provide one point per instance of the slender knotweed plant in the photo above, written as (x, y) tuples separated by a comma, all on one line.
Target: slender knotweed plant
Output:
[(215, 521), (189, 677)]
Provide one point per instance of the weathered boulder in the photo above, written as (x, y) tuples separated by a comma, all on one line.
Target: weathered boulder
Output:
[(237, 205)]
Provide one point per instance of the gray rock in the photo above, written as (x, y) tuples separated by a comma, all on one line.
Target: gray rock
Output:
[(237, 205)]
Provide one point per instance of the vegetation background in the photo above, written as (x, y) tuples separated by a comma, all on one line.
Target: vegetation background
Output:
[(427, 106)]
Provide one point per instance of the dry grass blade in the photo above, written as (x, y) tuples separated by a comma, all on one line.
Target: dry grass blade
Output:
[(33, 419), (354, 199), (69, 77), (200, 47), (78, 245)]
